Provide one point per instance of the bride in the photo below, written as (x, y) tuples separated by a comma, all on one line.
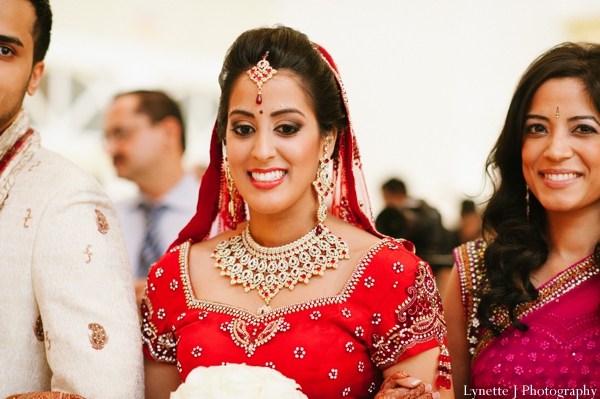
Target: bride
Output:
[(265, 274)]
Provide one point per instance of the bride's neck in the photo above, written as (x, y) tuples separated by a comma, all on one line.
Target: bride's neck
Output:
[(280, 229)]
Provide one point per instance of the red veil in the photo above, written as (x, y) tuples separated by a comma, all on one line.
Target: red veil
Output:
[(350, 201)]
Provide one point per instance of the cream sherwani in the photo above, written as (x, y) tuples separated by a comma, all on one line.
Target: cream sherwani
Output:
[(68, 319)]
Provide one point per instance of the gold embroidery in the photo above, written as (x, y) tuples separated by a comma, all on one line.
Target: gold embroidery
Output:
[(420, 319), (34, 166), (163, 347), (349, 287), (564, 282), (469, 263), (98, 338), (103, 225), (88, 253), (38, 329), (27, 218), (49, 341), (251, 340)]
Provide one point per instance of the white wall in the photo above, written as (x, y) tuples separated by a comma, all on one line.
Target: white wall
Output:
[(428, 81)]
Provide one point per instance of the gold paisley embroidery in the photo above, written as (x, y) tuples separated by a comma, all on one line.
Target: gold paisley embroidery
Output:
[(102, 222), (88, 253), (26, 218), (249, 336), (38, 329), (99, 338), (420, 318)]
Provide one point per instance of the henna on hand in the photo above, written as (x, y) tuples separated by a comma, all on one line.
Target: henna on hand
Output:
[(399, 387)]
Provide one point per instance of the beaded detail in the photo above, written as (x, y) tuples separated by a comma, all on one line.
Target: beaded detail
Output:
[(162, 347), (210, 306), (268, 270), (469, 259), (420, 318)]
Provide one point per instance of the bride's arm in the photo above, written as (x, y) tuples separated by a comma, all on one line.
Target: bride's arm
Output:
[(161, 379)]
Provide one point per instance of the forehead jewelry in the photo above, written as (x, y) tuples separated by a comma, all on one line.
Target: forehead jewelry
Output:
[(557, 113), (260, 74)]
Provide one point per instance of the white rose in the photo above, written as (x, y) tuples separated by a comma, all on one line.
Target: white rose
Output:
[(237, 381)]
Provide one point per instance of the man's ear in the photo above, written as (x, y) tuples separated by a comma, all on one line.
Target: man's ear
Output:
[(172, 128), (35, 78)]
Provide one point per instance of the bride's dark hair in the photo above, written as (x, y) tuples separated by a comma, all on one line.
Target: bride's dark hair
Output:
[(289, 51), (518, 245)]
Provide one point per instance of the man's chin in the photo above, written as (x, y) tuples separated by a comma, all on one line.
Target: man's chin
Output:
[(121, 171)]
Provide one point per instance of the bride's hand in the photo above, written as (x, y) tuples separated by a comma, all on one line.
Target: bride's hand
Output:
[(401, 386)]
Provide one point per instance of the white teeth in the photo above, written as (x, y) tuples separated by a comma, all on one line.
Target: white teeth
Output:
[(269, 176), (560, 177)]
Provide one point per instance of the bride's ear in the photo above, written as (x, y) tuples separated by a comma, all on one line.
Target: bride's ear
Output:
[(332, 141)]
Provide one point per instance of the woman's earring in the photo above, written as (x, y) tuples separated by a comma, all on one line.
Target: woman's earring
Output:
[(231, 189), (323, 184), (527, 200)]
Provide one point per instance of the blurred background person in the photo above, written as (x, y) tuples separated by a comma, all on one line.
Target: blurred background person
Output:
[(469, 228), (145, 136), (418, 222)]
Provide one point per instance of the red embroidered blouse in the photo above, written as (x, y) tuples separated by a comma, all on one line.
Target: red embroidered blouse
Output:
[(335, 346)]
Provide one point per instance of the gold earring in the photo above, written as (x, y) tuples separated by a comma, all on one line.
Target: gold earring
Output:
[(527, 200), (231, 190), (323, 184)]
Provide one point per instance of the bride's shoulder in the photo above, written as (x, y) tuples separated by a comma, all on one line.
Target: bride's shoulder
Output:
[(357, 239)]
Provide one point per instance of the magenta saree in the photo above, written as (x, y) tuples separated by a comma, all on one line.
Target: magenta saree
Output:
[(559, 353)]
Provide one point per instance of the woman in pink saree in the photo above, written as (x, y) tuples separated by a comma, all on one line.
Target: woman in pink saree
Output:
[(523, 303)]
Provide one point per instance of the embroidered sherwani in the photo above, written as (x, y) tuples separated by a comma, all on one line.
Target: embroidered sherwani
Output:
[(67, 309)]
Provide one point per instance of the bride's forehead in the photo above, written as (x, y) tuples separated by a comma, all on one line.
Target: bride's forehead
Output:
[(285, 86)]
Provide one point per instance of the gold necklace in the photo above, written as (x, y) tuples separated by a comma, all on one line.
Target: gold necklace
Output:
[(268, 270)]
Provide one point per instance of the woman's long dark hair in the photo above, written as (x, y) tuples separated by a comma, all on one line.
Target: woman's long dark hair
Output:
[(518, 244)]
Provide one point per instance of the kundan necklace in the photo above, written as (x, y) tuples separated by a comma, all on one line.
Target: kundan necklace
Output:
[(268, 270)]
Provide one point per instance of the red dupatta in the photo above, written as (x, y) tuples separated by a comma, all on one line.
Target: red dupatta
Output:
[(350, 200)]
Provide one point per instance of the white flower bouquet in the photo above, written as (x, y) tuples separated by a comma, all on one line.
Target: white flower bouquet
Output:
[(237, 381)]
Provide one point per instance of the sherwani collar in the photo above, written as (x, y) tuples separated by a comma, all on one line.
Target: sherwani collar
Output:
[(18, 144)]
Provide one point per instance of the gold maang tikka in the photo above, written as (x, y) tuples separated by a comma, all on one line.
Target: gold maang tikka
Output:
[(323, 184), (260, 74)]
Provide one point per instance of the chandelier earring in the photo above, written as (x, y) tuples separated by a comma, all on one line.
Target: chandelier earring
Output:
[(527, 200), (231, 190), (323, 184)]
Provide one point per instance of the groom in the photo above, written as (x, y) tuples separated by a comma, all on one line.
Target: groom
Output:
[(68, 320)]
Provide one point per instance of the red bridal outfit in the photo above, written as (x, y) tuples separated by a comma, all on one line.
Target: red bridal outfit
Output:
[(561, 348), (336, 346)]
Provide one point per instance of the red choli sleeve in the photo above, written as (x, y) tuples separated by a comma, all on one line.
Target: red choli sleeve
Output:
[(158, 309), (409, 318)]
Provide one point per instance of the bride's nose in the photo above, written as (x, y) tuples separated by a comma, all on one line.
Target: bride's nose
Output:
[(264, 145)]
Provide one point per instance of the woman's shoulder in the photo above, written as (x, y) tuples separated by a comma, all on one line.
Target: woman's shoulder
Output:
[(169, 263), (468, 257)]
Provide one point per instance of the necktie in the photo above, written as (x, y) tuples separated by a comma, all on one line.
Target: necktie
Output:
[(151, 249)]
